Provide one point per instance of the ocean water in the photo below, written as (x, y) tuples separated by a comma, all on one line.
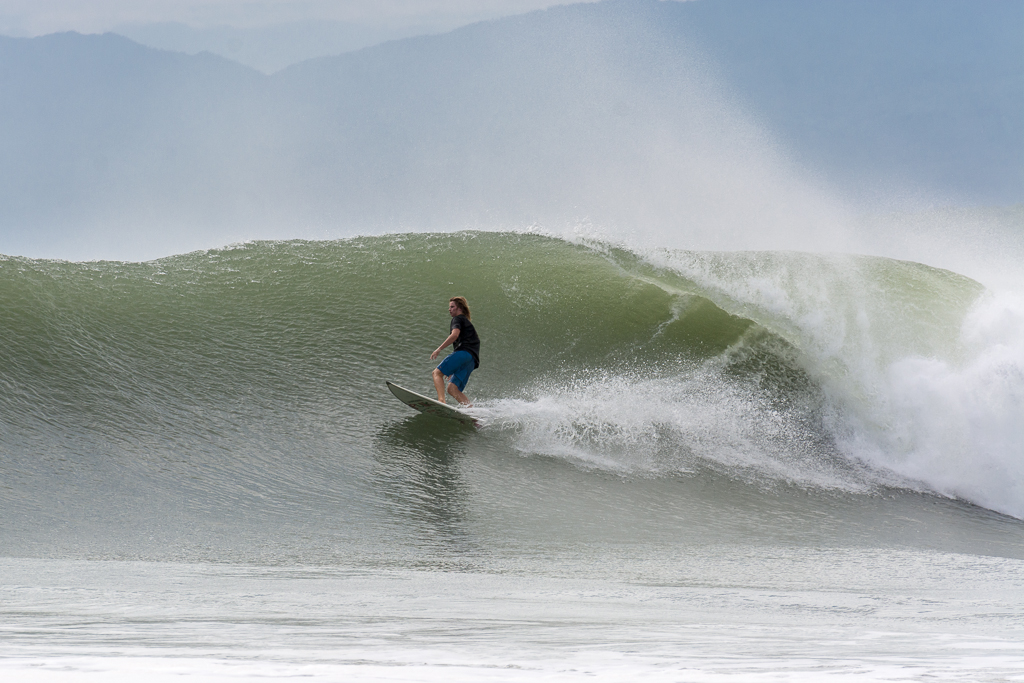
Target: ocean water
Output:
[(691, 466)]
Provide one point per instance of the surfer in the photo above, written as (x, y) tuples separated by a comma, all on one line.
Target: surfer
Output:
[(464, 359)]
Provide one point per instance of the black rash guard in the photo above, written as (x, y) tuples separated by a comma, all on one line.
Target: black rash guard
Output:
[(468, 339)]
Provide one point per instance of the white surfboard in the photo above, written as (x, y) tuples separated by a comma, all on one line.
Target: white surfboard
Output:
[(428, 405)]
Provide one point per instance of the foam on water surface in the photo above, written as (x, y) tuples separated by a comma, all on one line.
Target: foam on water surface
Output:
[(712, 614)]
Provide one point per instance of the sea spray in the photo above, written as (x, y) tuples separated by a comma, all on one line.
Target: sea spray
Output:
[(681, 420)]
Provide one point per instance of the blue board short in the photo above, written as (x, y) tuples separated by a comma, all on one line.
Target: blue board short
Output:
[(458, 365)]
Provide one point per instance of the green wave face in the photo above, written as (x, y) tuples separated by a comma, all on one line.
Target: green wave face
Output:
[(248, 382), (286, 328), (291, 321)]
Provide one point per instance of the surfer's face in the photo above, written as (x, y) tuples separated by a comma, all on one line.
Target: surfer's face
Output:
[(453, 309)]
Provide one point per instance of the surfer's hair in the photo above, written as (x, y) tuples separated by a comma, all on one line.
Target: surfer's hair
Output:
[(461, 302)]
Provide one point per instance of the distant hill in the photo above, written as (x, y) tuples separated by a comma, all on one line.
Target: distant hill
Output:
[(628, 112), (95, 127), (276, 46)]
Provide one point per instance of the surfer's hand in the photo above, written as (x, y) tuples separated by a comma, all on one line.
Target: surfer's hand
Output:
[(434, 354)]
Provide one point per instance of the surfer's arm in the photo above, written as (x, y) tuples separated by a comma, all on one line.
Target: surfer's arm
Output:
[(451, 338)]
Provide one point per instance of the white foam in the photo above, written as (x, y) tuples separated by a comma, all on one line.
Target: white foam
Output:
[(959, 427), (673, 421), (723, 614), (922, 383)]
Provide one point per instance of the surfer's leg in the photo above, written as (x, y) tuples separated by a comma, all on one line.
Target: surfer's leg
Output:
[(459, 396), (439, 384)]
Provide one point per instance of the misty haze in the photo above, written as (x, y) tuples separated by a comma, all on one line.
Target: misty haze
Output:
[(696, 118)]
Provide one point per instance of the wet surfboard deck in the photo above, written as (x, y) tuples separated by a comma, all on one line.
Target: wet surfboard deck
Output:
[(425, 404)]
